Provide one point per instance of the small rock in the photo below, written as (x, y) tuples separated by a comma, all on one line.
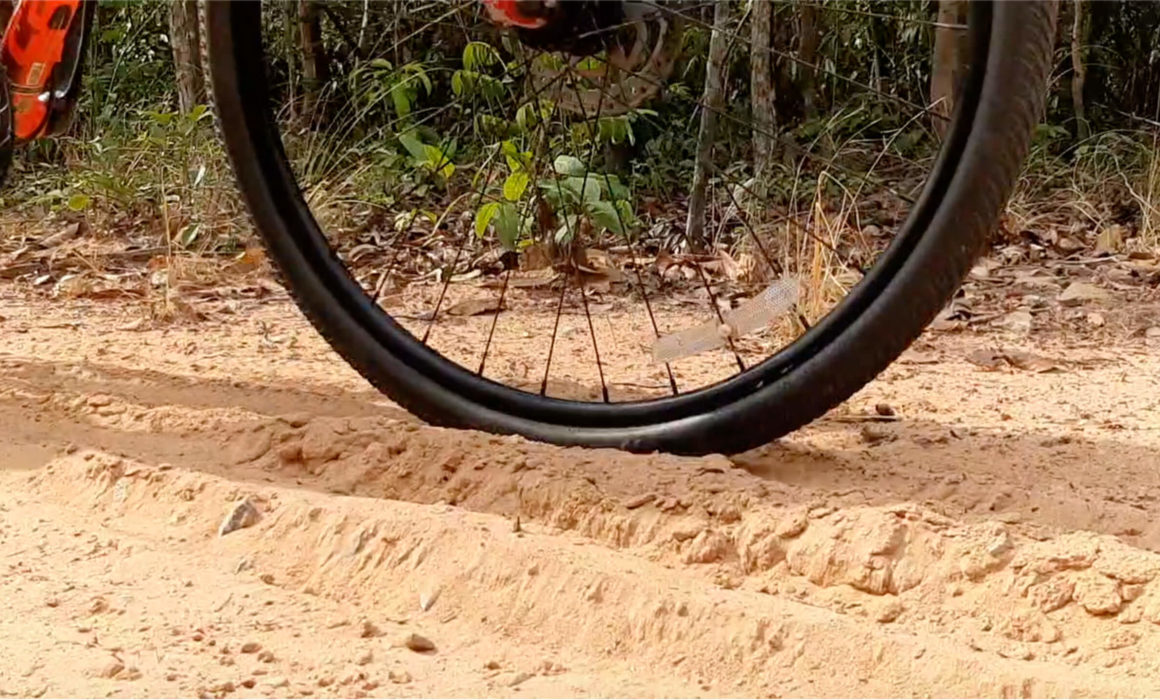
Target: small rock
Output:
[(418, 643), (248, 683), (517, 678), (1099, 596), (52, 602), (1121, 639), (242, 515), (267, 579), (792, 525), (873, 433), (251, 648), (398, 676), (427, 599), (638, 501), (367, 657), (1096, 320), (278, 682), (223, 688), (112, 669), (884, 409), (889, 611), (516, 525), (492, 665), (266, 656), (1018, 322), (370, 629)]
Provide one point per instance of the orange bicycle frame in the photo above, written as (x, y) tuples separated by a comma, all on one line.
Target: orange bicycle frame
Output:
[(33, 45)]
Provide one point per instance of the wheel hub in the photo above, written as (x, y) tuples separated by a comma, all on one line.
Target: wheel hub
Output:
[(607, 56)]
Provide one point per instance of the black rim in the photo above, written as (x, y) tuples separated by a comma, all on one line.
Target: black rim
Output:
[(296, 219)]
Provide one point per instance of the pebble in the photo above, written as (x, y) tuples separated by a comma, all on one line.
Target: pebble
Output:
[(370, 629), (251, 648), (427, 599), (248, 683), (889, 611), (366, 658), (884, 409), (242, 515), (267, 579), (418, 643), (266, 656), (112, 669), (398, 677), (278, 682), (872, 434), (638, 501), (518, 678)]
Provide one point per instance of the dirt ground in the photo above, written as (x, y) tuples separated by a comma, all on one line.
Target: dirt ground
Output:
[(996, 536)]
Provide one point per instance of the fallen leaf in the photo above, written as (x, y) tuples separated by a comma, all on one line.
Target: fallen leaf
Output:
[(1110, 240), (1079, 292), (987, 359), (1031, 362)]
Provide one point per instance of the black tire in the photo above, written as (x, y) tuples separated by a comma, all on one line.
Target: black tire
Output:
[(1000, 105)]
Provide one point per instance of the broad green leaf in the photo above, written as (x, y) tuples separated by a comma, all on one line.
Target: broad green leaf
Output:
[(507, 225), (617, 190), (627, 216), (439, 161), (79, 202), (414, 146), (484, 216), (586, 188), (605, 216), (515, 185), (401, 101), (569, 165)]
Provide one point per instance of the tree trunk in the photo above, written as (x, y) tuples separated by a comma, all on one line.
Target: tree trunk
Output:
[(185, 40), (711, 101), (315, 66), (948, 64), (1078, 71), (809, 38), (761, 91)]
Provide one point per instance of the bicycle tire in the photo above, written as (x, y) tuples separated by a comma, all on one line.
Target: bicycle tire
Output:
[(1000, 104)]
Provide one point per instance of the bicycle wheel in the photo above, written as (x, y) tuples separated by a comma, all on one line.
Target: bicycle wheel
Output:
[(425, 184)]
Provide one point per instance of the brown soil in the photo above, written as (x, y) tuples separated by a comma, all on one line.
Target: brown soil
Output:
[(996, 535)]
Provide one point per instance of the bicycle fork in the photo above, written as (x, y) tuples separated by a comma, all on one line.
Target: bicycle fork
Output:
[(42, 50)]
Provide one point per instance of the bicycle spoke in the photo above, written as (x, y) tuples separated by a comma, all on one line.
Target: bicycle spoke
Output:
[(806, 64), (632, 251)]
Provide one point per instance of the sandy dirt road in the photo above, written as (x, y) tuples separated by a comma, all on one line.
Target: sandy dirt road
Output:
[(998, 539)]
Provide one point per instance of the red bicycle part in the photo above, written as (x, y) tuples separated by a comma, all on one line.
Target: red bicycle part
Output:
[(510, 13), (33, 45)]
